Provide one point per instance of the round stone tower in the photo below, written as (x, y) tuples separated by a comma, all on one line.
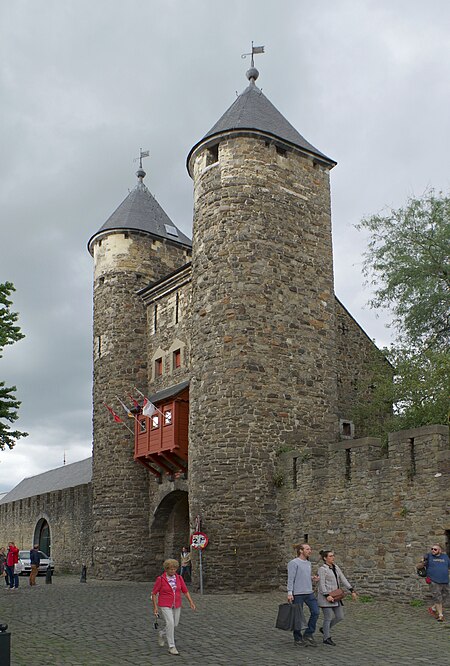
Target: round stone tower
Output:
[(138, 244), (262, 345)]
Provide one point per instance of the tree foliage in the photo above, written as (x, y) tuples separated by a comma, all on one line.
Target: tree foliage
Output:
[(9, 405), (408, 264)]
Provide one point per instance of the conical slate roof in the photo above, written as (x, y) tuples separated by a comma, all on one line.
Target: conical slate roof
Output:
[(140, 211), (253, 111)]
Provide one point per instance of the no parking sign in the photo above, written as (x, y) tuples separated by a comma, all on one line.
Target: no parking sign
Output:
[(199, 540)]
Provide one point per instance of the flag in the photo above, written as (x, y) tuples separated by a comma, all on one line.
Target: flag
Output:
[(257, 49), (146, 153), (135, 402), (148, 408), (125, 408), (116, 418)]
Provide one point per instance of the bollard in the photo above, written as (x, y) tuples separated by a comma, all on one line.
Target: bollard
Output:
[(83, 574), (5, 645), (48, 575)]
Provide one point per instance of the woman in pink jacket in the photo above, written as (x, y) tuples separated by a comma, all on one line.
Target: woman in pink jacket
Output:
[(166, 597)]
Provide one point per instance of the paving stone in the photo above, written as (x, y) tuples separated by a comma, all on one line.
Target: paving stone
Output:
[(109, 623)]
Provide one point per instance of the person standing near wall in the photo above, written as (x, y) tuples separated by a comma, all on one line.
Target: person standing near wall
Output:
[(12, 558), (3, 565), (35, 559), (300, 591), (437, 565), (185, 569)]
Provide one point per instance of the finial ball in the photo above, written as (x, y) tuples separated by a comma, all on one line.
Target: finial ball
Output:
[(252, 73), (140, 173)]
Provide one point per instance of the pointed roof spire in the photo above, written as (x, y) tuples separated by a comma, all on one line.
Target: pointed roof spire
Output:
[(253, 112), (140, 211)]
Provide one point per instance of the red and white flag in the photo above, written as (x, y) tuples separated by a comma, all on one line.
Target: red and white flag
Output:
[(148, 408), (116, 418)]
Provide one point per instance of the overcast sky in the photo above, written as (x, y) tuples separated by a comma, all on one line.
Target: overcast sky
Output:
[(84, 85)]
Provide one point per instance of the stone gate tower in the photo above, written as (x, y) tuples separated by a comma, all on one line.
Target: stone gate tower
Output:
[(137, 244), (262, 346)]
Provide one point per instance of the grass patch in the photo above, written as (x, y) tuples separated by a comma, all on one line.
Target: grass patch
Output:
[(365, 598), (416, 603)]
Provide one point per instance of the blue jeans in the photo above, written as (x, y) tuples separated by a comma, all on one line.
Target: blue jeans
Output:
[(311, 601), (13, 578)]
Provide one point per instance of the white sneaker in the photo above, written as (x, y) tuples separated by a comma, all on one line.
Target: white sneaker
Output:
[(173, 650), (161, 638)]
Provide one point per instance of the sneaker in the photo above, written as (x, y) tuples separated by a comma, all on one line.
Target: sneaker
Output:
[(328, 641), (161, 638), (300, 643), (440, 618), (309, 640), (173, 650)]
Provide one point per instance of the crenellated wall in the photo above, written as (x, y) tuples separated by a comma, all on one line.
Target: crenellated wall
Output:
[(379, 509), (68, 513)]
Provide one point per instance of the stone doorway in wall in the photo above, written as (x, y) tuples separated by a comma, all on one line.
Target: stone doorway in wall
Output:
[(169, 531), (42, 536)]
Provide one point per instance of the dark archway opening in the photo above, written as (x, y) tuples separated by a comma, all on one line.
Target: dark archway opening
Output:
[(169, 531), (42, 536)]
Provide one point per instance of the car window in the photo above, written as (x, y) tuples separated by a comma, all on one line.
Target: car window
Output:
[(24, 554), (43, 555)]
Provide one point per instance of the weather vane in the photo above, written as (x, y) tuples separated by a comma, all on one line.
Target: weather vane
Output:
[(255, 49), (142, 153)]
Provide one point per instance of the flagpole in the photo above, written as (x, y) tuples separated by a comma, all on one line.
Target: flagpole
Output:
[(145, 398)]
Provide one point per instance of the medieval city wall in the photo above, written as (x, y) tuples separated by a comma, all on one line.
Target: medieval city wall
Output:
[(69, 515), (378, 508)]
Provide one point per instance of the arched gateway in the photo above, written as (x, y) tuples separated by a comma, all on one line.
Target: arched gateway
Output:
[(42, 536), (169, 531)]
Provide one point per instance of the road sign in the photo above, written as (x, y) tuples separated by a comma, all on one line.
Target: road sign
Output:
[(199, 540)]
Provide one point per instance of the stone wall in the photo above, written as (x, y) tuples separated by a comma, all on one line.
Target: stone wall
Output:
[(262, 342), (124, 263), (69, 515), (357, 360), (379, 509)]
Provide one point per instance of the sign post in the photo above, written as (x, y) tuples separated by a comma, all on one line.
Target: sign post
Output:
[(199, 541)]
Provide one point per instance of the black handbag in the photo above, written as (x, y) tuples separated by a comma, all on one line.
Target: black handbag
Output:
[(290, 617)]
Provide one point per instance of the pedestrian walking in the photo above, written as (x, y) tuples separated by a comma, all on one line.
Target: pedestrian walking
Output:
[(331, 578), (166, 599), (300, 591), (437, 565), (35, 559)]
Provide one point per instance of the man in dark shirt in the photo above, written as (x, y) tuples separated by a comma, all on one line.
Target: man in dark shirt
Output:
[(35, 558)]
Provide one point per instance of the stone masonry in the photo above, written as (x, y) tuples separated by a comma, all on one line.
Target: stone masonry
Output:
[(262, 340), (123, 263)]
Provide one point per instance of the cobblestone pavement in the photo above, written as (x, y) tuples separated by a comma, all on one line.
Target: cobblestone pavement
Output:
[(104, 623)]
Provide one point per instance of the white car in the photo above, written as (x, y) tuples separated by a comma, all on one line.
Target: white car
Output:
[(24, 558)]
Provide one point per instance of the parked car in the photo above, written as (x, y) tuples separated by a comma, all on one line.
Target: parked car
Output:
[(24, 557)]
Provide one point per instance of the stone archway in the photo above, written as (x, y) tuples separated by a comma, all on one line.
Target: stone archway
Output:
[(42, 536), (169, 531)]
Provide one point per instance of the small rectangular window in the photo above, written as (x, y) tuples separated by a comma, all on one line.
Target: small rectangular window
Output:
[(212, 155), (177, 307), (155, 421), (176, 359), (142, 426), (155, 318), (158, 367), (167, 417)]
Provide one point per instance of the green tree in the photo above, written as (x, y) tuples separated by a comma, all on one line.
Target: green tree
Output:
[(9, 333), (408, 264)]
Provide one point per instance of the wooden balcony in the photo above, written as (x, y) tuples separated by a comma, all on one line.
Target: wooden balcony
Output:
[(161, 441)]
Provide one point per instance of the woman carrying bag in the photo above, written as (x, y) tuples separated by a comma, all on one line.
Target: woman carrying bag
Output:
[(331, 580)]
